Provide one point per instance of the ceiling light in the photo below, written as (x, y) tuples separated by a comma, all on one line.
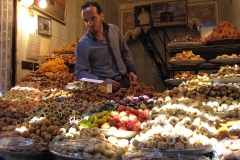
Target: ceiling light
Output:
[(43, 4)]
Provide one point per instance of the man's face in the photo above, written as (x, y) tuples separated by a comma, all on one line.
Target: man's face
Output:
[(92, 20)]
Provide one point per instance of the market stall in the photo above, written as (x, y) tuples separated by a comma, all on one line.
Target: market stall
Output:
[(52, 115)]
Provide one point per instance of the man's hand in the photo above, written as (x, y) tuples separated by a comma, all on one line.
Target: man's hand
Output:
[(115, 84), (132, 77)]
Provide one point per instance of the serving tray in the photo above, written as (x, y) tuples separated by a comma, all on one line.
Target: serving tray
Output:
[(119, 133), (64, 52), (227, 80), (184, 44), (174, 81), (5, 154), (190, 151), (226, 60), (186, 62), (223, 41)]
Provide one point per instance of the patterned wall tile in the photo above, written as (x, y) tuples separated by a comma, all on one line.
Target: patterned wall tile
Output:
[(6, 17), (4, 40)]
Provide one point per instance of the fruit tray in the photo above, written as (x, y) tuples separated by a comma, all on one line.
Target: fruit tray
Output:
[(119, 133)]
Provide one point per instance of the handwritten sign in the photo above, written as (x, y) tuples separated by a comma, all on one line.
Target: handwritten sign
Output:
[(33, 47)]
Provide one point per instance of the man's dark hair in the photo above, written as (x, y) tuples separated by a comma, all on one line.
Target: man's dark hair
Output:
[(94, 4)]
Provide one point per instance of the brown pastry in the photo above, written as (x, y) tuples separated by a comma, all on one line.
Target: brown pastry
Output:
[(238, 155), (234, 132), (230, 156)]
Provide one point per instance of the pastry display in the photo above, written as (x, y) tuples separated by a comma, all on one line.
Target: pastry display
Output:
[(227, 56), (227, 72), (65, 48), (228, 149), (186, 38), (70, 58), (186, 55), (223, 30), (50, 107)]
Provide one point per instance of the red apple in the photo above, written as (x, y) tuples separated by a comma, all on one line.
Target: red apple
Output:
[(122, 128), (138, 124), (122, 113), (136, 128), (129, 109), (114, 114), (135, 111), (116, 119), (124, 119), (132, 117), (120, 124), (105, 126), (140, 110)]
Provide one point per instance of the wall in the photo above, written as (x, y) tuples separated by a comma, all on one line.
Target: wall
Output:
[(6, 25), (230, 12), (62, 35), (146, 70)]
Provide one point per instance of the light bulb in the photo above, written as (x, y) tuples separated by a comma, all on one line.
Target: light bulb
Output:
[(42, 4), (27, 3)]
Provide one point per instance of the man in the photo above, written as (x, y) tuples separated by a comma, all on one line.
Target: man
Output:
[(102, 53), (144, 17)]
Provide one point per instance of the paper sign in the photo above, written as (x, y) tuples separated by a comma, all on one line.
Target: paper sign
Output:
[(91, 80), (33, 47)]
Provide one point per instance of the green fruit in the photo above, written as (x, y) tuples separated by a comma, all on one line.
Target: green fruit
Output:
[(106, 113), (101, 121), (82, 123), (95, 120), (91, 118), (107, 117), (100, 115), (94, 125), (143, 106), (88, 124)]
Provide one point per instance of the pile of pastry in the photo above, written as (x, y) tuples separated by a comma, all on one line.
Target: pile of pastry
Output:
[(227, 56), (70, 58), (66, 48), (186, 55), (223, 30)]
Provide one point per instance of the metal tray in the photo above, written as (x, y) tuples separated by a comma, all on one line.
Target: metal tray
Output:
[(64, 52), (223, 41), (9, 155), (226, 60), (63, 157), (184, 44), (174, 81), (186, 62), (189, 151), (227, 80)]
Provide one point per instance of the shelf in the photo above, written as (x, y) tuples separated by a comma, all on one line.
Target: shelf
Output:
[(200, 67), (209, 49)]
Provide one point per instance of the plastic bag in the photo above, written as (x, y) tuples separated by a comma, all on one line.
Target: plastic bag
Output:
[(143, 154)]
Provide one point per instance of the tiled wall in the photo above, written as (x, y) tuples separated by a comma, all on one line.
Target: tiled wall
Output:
[(6, 18)]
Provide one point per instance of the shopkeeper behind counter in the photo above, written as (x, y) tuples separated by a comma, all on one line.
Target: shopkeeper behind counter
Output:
[(102, 53)]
